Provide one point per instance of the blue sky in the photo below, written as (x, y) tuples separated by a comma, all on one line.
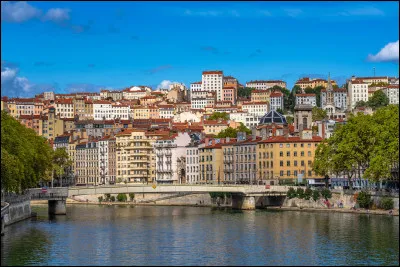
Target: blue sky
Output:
[(85, 46)]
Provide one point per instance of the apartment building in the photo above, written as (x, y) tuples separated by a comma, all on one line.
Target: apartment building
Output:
[(49, 95), (64, 107), (212, 81), (357, 91), (166, 111), (201, 102), (312, 83), (276, 99), (244, 154), (229, 94), (87, 163), (135, 93), (285, 158), (371, 80), (260, 96), (265, 84), (33, 122), (339, 98), (171, 159), (134, 153), (255, 108), (306, 99), (249, 120), (211, 162), (192, 163), (214, 126), (196, 86), (392, 92)]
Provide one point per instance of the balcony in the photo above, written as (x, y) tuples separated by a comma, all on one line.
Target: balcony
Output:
[(165, 145)]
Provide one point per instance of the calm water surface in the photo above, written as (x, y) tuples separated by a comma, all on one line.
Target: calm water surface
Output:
[(128, 235)]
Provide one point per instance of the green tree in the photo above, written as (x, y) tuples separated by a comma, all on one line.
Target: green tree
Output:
[(291, 193), (219, 115), (243, 128), (112, 198), (279, 111), (228, 132), (26, 158), (361, 103), (61, 162), (245, 92), (132, 196), (300, 193), (386, 203), (307, 194), (326, 193), (309, 90), (318, 114), (121, 197), (378, 99), (289, 119), (364, 200), (315, 195)]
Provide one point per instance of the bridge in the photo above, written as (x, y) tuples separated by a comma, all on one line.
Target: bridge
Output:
[(243, 196)]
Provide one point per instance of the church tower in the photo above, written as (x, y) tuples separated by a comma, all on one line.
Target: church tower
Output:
[(329, 92)]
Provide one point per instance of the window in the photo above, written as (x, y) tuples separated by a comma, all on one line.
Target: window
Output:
[(295, 173), (280, 145), (287, 145), (295, 163), (302, 153), (302, 163), (301, 145), (288, 154), (309, 174), (281, 163), (288, 173), (309, 153), (281, 154), (295, 154), (281, 173), (288, 163)]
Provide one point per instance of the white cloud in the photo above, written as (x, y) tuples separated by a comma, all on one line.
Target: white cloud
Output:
[(57, 14), (364, 11), (389, 53), (165, 84), (11, 83), (18, 11)]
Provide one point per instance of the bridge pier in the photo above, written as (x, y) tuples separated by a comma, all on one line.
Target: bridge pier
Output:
[(2, 225), (243, 202), (57, 207)]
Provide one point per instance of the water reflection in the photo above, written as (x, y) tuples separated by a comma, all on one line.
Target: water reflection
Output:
[(129, 235)]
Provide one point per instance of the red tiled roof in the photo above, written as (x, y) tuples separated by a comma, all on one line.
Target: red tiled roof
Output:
[(276, 94), (101, 102), (305, 94), (212, 72), (214, 122), (197, 83), (266, 81), (290, 139)]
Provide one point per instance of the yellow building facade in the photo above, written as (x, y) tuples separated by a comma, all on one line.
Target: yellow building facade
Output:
[(284, 158)]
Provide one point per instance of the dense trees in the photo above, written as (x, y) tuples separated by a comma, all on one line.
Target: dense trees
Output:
[(231, 132), (378, 99), (318, 114), (219, 115), (367, 143), (245, 92), (61, 163), (26, 158)]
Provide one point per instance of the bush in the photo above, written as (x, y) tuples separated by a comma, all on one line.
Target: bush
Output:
[(315, 195), (291, 193), (386, 203), (364, 200), (300, 193), (326, 193), (107, 197), (307, 194), (131, 196), (100, 198), (112, 198), (121, 197)]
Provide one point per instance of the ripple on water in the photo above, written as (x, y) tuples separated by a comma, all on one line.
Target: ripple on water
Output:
[(128, 235)]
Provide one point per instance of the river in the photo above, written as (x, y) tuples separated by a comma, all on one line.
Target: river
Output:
[(159, 235)]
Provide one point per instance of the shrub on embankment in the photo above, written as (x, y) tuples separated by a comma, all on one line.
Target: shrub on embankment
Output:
[(308, 193), (386, 203)]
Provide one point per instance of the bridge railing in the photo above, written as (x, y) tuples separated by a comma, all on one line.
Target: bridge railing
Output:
[(13, 198)]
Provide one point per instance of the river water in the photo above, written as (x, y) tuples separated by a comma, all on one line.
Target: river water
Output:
[(151, 235)]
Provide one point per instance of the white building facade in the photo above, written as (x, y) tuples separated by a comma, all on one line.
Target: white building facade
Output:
[(358, 91), (339, 98), (392, 92), (192, 164), (213, 81), (306, 99)]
